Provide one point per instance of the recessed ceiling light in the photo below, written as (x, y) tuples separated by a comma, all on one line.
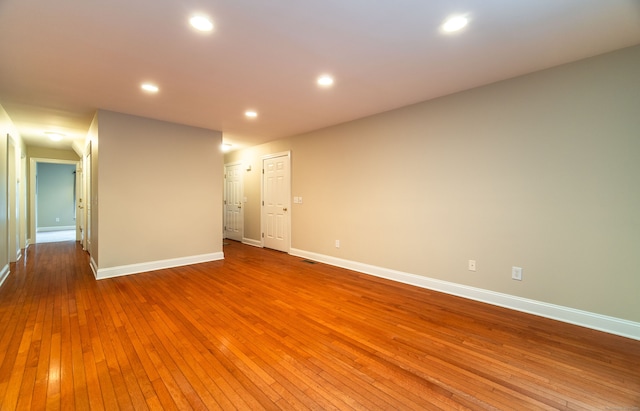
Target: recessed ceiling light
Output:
[(54, 136), (201, 23), (151, 88), (251, 114), (325, 80), (455, 23)]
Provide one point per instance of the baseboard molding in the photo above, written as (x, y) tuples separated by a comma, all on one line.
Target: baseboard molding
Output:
[(110, 272), (4, 274), (612, 325), (249, 241), (58, 228)]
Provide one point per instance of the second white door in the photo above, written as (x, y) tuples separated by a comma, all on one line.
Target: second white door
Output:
[(233, 216), (275, 205)]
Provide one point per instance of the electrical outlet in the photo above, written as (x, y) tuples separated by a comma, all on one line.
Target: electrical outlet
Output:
[(472, 265), (57, 219), (516, 273), (337, 243)]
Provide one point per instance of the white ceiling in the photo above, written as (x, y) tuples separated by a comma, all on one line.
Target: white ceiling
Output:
[(61, 60)]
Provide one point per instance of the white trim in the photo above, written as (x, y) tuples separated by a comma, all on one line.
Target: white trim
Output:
[(249, 241), (4, 274), (569, 315), (94, 267), (56, 228), (110, 272)]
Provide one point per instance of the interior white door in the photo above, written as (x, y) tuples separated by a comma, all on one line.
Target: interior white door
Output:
[(233, 213), (275, 205)]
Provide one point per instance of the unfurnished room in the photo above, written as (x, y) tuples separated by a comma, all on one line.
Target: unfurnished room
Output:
[(336, 205)]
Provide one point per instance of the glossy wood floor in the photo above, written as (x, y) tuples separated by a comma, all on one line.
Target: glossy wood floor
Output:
[(264, 330)]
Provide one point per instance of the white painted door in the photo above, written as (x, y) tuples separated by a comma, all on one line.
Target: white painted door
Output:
[(275, 205), (233, 213)]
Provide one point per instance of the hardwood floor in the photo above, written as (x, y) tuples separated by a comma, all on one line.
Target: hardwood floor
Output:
[(264, 330)]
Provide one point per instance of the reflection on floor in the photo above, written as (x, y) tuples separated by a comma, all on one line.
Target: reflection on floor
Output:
[(55, 236)]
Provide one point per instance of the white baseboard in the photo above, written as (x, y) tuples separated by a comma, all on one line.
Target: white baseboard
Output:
[(110, 272), (249, 241), (569, 315), (4, 273), (56, 228)]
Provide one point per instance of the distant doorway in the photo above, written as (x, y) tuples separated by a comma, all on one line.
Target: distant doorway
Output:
[(53, 195)]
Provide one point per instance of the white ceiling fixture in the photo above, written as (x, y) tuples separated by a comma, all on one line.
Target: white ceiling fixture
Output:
[(149, 87), (54, 136), (325, 80), (251, 114), (455, 23), (201, 23), (226, 147)]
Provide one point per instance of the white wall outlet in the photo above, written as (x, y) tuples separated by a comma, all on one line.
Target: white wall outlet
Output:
[(57, 219), (296, 200), (337, 243), (472, 265), (516, 273), (299, 200)]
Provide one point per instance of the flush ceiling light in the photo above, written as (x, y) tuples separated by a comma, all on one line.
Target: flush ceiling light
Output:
[(325, 81), (251, 114), (151, 88), (54, 136), (225, 147), (201, 23), (455, 23)]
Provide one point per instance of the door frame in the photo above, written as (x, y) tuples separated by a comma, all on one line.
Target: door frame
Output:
[(32, 193), (286, 154)]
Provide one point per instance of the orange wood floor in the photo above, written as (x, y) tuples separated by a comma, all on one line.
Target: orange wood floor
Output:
[(264, 330)]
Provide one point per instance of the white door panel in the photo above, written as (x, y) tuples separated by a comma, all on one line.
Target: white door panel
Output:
[(275, 210), (233, 214)]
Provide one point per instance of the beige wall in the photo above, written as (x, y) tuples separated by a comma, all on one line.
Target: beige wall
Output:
[(6, 128), (159, 191), (539, 171), (52, 153)]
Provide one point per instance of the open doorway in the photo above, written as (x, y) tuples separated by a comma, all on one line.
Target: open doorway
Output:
[(54, 201)]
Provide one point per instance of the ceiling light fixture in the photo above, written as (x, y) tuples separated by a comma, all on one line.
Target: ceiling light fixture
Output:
[(54, 136), (251, 114), (225, 147), (151, 88), (201, 23), (325, 80), (455, 23)]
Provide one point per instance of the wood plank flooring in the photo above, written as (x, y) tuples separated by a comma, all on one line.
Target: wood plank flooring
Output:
[(265, 330)]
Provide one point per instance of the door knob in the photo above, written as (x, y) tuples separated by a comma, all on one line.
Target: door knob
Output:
[(284, 209)]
